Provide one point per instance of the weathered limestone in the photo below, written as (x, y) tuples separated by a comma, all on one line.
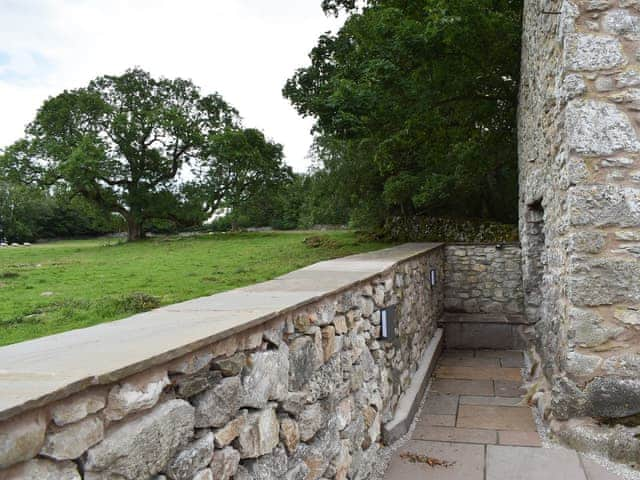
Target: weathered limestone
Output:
[(289, 434), (580, 217), (21, 438), (301, 396), (135, 393), (216, 406), (483, 278), (79, 406), (259, 435), (143, 446), (191, 459), (42, 469), (265, 378), (73, 440), (225, 463)]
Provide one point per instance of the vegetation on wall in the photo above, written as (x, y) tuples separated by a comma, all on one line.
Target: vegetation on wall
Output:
[(414, 104)]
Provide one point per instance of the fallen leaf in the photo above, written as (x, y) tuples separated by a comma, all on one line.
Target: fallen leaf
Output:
[(432, 462)]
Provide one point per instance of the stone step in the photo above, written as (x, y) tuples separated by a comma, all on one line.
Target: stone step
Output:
[(484, 330)]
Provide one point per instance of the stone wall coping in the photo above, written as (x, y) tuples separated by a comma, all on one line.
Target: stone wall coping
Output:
[(483, 244), (40, 371)]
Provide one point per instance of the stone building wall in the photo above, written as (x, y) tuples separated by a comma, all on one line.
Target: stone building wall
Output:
[(579, 217), (483, 278), (303, 396)]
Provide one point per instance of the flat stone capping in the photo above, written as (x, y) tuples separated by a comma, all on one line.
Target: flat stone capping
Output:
[(410, 400), (39, 371)]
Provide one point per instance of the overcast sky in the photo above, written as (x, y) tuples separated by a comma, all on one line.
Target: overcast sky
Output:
[(244, 49)]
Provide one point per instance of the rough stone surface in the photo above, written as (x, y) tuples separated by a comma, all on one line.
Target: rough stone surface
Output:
[(144, 445), (304, 358), (593, 52), (259, 435), (21, 438), (42, 469), (225, 463), (612, 397), (265, 378), (289, 434), (230, 431), (78, 406), (580, 215), (231, 366), (206, 474), (310, 421), (269, 467), (483, 279), (135, 393), (217, 406), (599, 128), (191, 459), (73, 440)]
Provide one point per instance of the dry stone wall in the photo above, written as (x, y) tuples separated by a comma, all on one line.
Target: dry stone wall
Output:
[(579, 217), (483, 278), (303, 396)]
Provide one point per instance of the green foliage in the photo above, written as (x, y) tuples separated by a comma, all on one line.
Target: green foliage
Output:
[(124, 143), (273, 205), (53, 287), (28, 213), (431, 229), (415, 107)]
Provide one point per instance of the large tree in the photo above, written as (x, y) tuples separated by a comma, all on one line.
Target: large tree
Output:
[(415, 103), (132, 144)]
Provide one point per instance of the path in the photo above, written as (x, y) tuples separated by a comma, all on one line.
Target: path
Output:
[(473, 418)]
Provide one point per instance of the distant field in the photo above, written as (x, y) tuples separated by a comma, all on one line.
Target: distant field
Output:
[(54, 287)]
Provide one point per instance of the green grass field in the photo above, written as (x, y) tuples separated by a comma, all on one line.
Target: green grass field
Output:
[(54, 287)]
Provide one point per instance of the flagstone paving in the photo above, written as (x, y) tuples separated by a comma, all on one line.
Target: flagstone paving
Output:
[(474, 420)]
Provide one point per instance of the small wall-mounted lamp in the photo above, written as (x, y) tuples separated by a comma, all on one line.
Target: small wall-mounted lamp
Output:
[(388, 323), (432, 277)]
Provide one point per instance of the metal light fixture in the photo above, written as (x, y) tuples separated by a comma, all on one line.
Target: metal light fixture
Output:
[(388, 323), (432, 277)]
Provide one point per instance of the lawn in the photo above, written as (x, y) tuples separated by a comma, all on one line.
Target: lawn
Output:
[(54, 287)]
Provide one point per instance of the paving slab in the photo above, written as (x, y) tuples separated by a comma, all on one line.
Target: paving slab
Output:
[(497, 353), (479, 373), (595, 471), (495, 401), (469, 362), (450, 434), (527, 463), (520, 439), (468, 462), (496, 418), (441, 404), (438, 420), (458, 353), (462, 387), (509, 388)]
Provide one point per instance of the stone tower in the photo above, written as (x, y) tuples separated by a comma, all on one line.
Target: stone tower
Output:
[(579, 161)]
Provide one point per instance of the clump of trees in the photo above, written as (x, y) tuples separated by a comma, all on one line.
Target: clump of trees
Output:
[(29, 213), (146, 149), (415, 104)]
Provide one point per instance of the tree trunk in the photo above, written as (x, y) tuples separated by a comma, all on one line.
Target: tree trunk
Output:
[(134, 229)]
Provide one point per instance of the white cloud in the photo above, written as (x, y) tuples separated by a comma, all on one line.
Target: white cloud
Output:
[(244, 49)]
